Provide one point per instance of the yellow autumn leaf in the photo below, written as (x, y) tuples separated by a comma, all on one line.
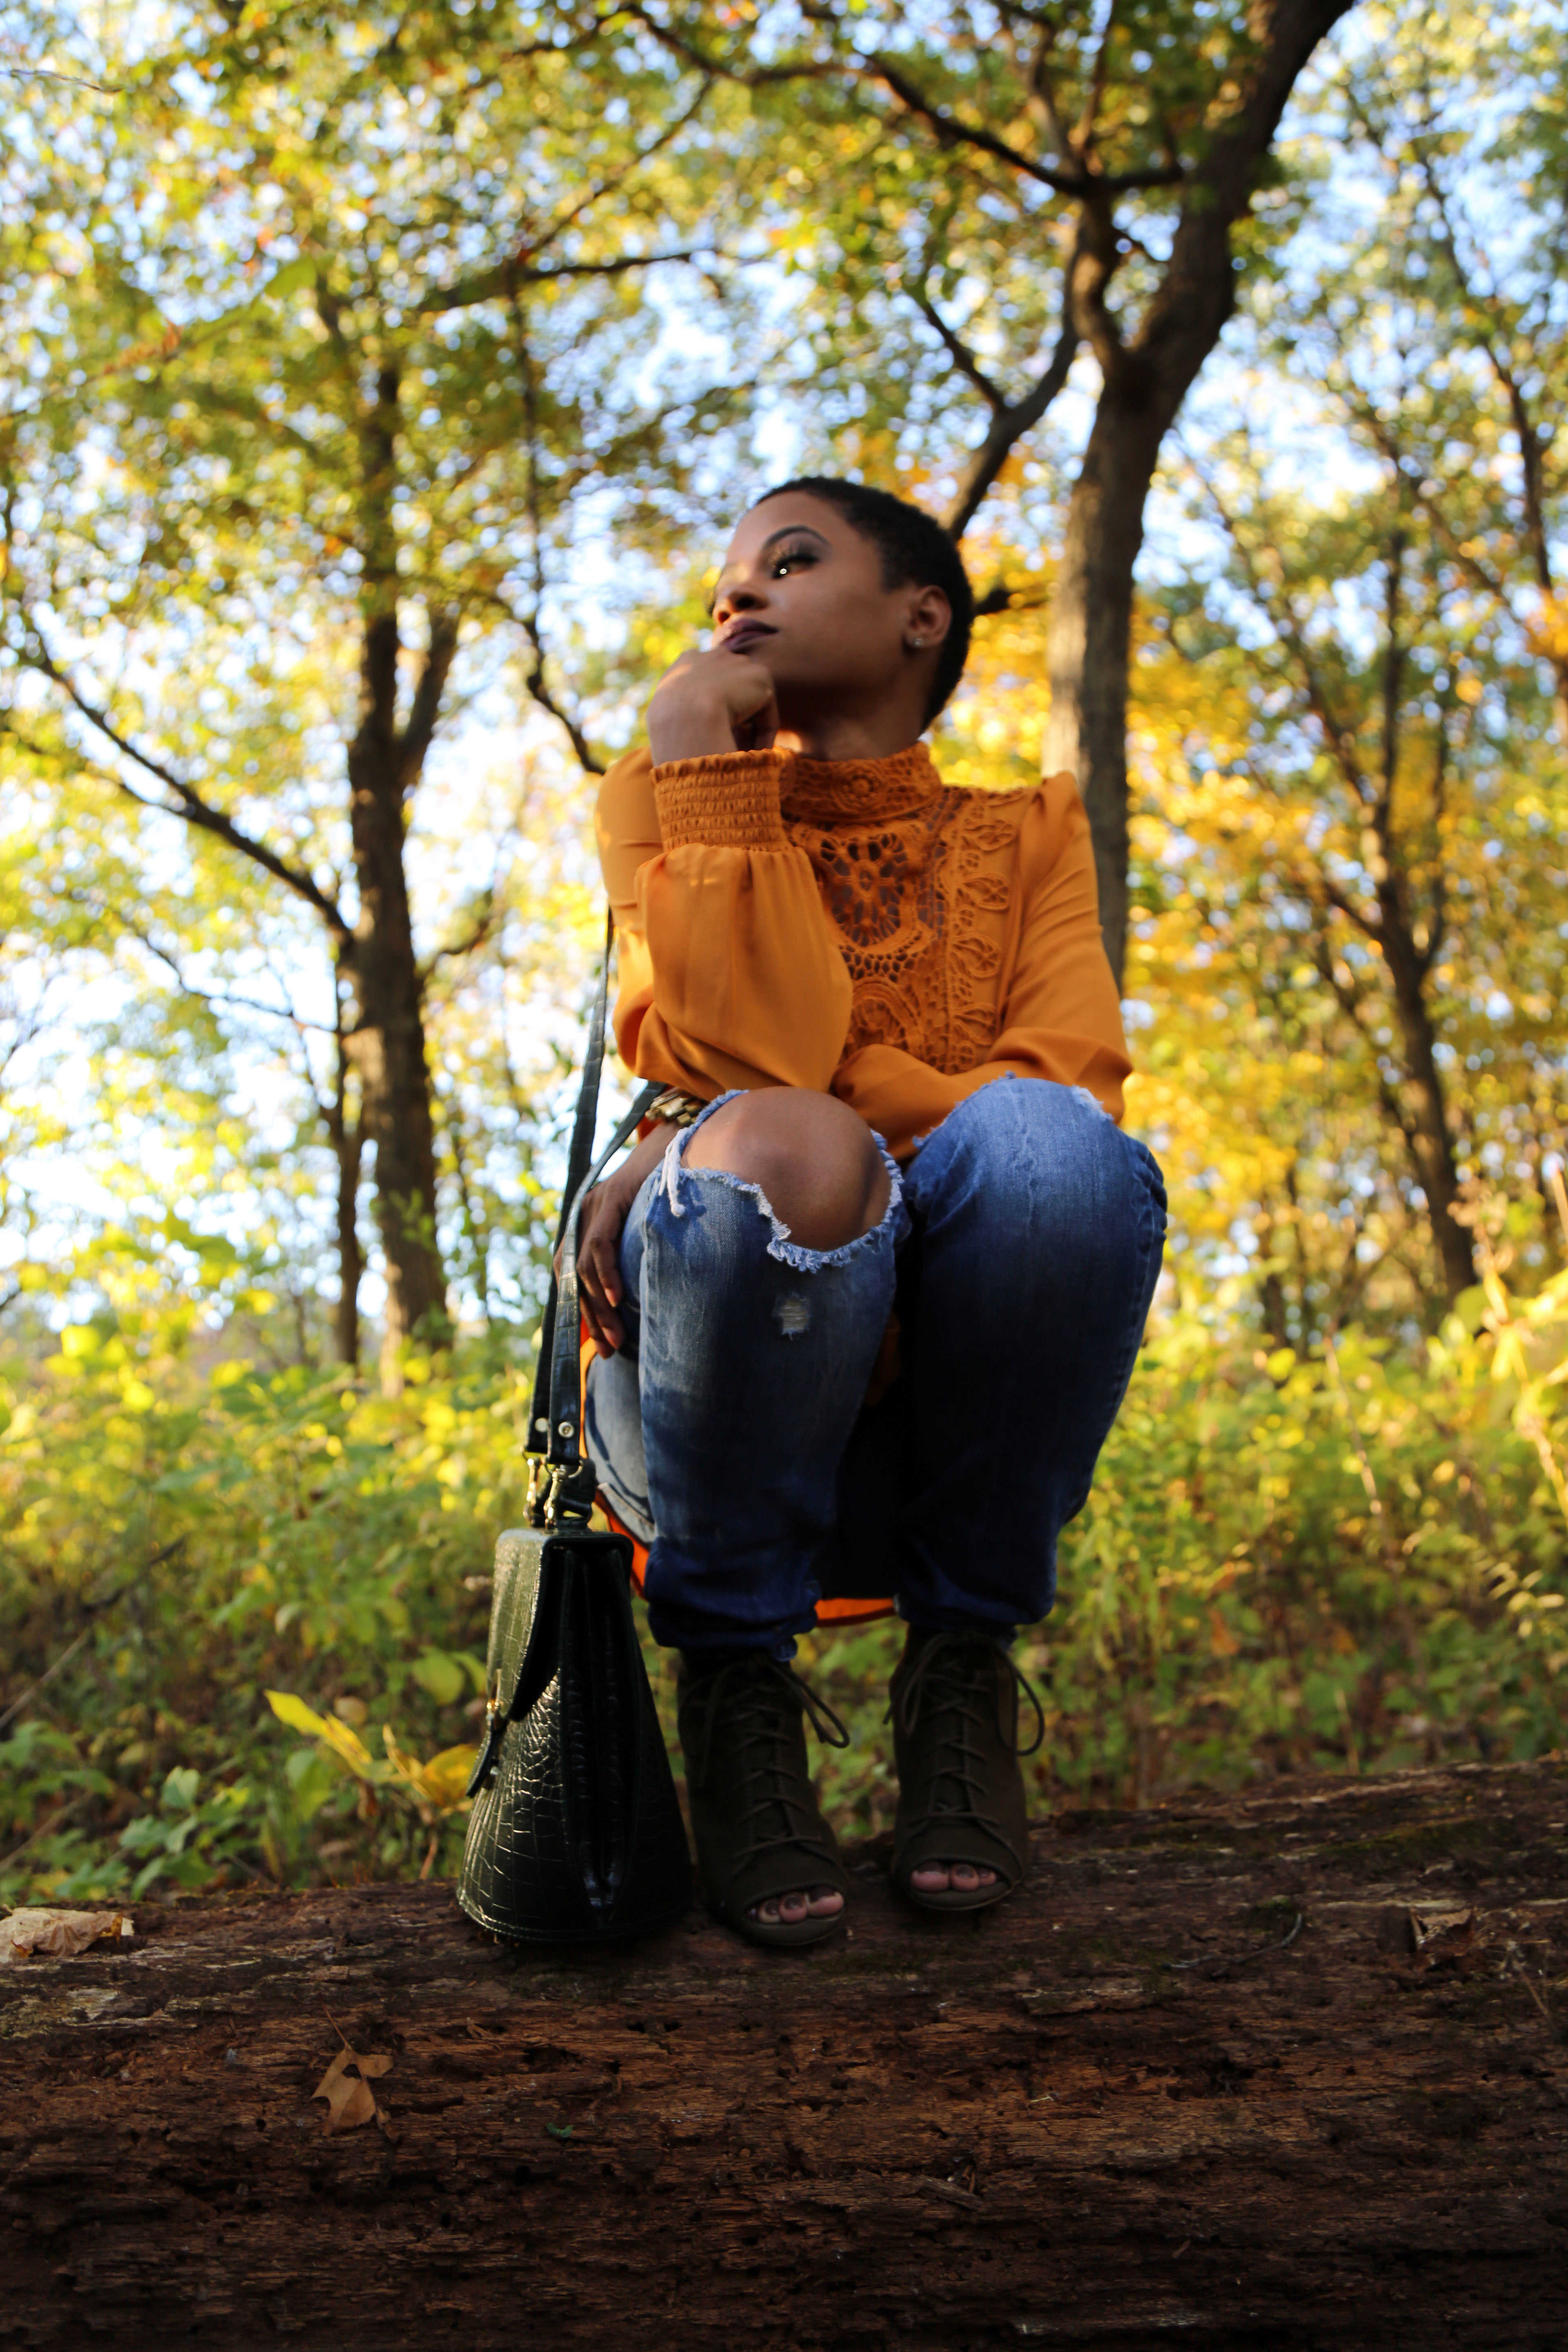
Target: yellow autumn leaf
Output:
[(296, 1714), (345, 1745), (446, 1775), (442, 1783)]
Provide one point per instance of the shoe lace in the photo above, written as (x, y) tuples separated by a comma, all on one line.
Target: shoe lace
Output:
[(766, 1702), (954, 1678)]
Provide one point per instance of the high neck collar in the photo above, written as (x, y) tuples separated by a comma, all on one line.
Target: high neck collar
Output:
[(850, 791)]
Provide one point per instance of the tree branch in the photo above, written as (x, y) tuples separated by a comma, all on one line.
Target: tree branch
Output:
[(217, 1001), (1196, 291), (379, 426), (494, 284), (1094, 95), (250, 412), (189, 804), (1350, 1005), (1438, 905), (482, 928), (1096, 257), (1009, 424), (959, 353), (1324, 885), (433, 671), (528, 251), (1486, 305), (950, 131), (683, 45), (1460, 553), (534, 681), (533, 623), (1042, 89), (1282, 616), (877, 65), (1393, 672)]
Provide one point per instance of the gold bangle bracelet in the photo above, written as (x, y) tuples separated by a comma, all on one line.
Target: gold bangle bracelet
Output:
[(675, 1107)]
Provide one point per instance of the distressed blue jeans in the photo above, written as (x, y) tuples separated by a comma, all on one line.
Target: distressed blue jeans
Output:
[(1020, 1248)]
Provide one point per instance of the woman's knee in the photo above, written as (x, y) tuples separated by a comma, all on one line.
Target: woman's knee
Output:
[(1035, 1153), (1081, 1176), (814, 1160)]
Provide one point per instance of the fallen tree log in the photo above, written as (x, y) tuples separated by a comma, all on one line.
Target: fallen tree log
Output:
[(1285, 2071)]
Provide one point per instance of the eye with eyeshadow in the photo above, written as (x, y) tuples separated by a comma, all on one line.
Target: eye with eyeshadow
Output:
[(787, 558)]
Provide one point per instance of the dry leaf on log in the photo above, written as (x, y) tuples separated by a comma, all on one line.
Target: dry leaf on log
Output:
[(1456, 1919), (1409, 1928), (56, 1935), (345, 2086)]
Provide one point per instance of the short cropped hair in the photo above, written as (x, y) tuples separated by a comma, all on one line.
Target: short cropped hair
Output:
[(916, 552)]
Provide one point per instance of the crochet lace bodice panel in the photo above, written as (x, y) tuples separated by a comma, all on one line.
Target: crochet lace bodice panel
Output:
[(918, 879)]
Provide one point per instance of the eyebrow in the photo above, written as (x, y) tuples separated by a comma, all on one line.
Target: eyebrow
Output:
[(785, 531)]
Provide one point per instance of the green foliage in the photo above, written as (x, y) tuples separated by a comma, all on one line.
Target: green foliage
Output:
[(1355, 1561), (217, 1532)]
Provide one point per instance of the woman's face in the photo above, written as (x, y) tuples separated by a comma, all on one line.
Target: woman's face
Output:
[(801, 593)]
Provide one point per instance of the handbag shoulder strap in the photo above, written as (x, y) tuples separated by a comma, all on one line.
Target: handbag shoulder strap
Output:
[(555, 1414)]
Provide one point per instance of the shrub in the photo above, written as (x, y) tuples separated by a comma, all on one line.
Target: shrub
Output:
[(1351, 1562)]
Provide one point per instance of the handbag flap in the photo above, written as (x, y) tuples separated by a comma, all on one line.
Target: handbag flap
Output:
[(522, 1654)]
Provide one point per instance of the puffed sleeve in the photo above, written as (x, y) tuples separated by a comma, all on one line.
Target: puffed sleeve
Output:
[(728, 973), (1059, 1017)]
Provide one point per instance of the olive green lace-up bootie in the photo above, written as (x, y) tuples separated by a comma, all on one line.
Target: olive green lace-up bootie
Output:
[(954, 1711), (759, 1829)]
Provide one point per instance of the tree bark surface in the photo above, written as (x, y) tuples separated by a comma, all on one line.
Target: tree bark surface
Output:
[(1284, 2071), (1431, 1141), (387, 1043), (1090, 634)]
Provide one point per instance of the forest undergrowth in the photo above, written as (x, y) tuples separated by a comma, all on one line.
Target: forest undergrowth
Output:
[(1348, 1562)]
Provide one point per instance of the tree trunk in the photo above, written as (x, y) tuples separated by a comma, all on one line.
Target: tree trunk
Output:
[(1282, 2074), (351, 1255), (345, 1131), (386, 760), (386, 1044), (1430, 1141), (1091, 632), (474, 1230), (350, 1273), (1146, 377)]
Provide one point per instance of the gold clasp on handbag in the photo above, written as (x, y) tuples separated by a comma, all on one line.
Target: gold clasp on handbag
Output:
[(541, 1478), (570, 1503), (494, 1731)]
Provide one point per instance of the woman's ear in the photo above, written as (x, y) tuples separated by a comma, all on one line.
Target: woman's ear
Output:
[(927, 619)]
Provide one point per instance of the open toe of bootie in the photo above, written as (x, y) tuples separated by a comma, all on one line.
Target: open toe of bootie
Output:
[(943, 1843), (759, 1830), (954, 1709), (780, 1873)]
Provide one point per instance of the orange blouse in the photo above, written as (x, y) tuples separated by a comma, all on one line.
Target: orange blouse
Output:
[(856, 927)]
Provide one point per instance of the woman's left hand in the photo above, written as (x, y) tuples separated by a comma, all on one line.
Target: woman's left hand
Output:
[(599, 1230)]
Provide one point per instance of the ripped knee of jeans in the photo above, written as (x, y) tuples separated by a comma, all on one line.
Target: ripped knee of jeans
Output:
[(891, 1227)]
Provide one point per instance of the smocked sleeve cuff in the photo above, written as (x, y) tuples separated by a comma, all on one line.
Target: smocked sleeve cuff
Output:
[(728, 801)]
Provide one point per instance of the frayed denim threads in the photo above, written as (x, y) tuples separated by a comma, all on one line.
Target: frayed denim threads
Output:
[(672, 1168)]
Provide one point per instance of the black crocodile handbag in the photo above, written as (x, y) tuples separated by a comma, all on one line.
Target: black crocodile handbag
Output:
[(575, 1835)]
